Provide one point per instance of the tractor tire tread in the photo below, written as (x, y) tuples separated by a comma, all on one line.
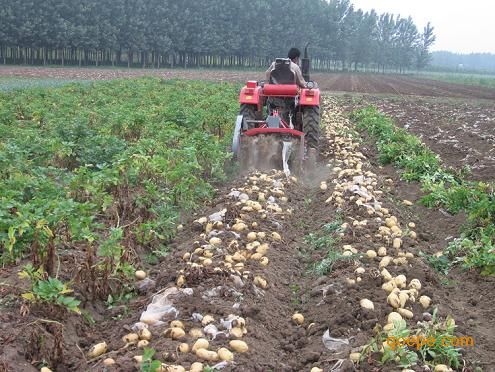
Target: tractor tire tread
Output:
[(311, 126)]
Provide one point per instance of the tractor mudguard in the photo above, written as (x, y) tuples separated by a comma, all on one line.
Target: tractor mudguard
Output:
[(250, 94), (309, 97)]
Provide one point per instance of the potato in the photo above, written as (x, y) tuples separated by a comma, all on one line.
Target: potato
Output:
[(225, 354), (45, 369), (208, 355), (407, 202), (172, 368), (396, 231), (236, 332), (260, 282), (413, 234), (393, 300), (239, 346), (425, 301), (442, 368), (240, 226), (415, 283), (186, 256), (276, 236), (350, 281), (174, 333), (176, 324), (406, 313), (367, 304), (411, 225), (208, 228), (142, 344), (360, 270), (97, 350), (196, 367), (207, 319), (144, 334), (382, 251), (181, 280), (389, 222), (215, 241), (256, 256), (370, 253), (251, 236), (385, 261), (140, 274), (355, 357), (400, 261), (130, 338), (403, 297), (397, 242), (388, 327), (298, 318), (183, 348), (389, 286), (262, 249), (264, 261), (108, 362), (400, 281), (201, 343)]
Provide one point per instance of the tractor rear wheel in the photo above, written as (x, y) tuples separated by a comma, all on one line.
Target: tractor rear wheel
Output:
[(311, 126), (248, 111)]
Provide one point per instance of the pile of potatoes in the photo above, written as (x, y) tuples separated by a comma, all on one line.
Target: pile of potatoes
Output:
[(239, 248), (242, 245), (353, 184)]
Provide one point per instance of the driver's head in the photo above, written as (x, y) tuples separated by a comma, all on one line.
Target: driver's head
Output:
[(294, 55)]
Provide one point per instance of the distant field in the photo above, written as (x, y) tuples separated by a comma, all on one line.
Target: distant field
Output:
[(487, 81), (8, 83), (427, 85)]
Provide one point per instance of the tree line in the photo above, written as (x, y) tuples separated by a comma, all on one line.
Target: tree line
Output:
[(213, 33), (473, 62)]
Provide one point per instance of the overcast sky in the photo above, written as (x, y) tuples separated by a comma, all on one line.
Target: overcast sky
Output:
[(460, 26)]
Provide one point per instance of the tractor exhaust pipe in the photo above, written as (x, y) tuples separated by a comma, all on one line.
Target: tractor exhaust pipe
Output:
[(306, 64)]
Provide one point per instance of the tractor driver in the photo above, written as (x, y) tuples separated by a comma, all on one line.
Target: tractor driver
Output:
[(293, 55)]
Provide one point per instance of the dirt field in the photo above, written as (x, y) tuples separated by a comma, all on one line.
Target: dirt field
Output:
[(356, 83), (462, 133)]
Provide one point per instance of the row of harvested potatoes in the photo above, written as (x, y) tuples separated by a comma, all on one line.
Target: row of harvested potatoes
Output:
[(352, 184)]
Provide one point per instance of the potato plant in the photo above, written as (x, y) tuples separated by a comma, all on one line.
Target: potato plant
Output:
[(107, 166)]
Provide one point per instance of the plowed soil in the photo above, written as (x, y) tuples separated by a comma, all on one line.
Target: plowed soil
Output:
[(344, 82), (276, 343)]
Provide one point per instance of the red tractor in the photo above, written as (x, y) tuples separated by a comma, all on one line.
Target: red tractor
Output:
[(276, 119)]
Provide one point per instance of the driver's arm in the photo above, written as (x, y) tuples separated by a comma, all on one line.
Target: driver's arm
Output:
[(299, 78)]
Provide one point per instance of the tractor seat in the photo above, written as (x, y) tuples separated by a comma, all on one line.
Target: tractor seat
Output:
[(282, 74)]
